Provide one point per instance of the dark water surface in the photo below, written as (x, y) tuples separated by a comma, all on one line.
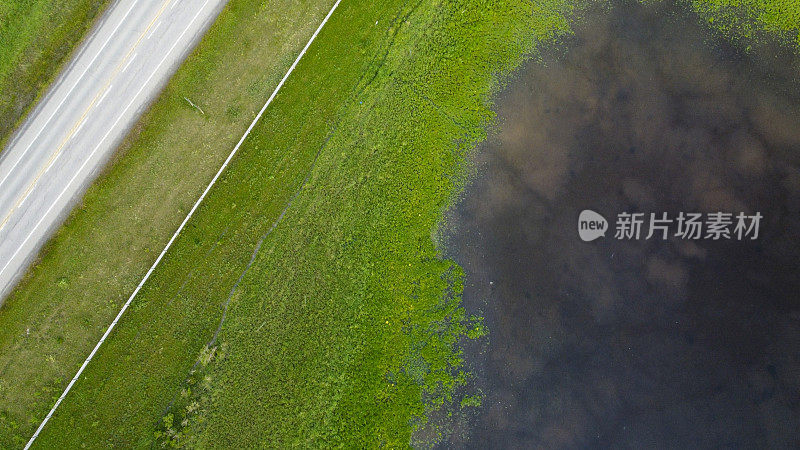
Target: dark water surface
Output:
[(645, 343)]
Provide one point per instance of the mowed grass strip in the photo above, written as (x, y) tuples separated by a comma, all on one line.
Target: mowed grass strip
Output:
[(50, 323), (36, 39), (344, 322)]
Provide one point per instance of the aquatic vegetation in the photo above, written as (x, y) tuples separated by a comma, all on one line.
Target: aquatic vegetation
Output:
[(746, 18)]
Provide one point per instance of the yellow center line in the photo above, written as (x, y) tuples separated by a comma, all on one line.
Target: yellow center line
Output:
[(77, 124)]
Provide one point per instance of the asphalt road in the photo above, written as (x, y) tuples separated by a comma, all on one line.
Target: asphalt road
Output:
[(73, 131)]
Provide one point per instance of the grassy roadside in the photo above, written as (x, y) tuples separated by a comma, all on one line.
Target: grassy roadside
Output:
[(56, 315), (36, 38), (343, 320)]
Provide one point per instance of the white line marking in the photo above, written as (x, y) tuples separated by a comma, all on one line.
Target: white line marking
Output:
[(180, 228), (129, 63), (104, 96), (54, 161), (26, 197), (22, 156), (154, 29), (173, 5), (80, 127)]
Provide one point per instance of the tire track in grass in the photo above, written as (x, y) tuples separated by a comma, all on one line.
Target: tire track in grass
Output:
[(264, 236)]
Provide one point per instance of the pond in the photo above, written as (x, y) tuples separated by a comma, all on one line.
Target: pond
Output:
[(637, 342)]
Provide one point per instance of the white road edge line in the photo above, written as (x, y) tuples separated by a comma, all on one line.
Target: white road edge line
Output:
[(88, 66), (182, 225)]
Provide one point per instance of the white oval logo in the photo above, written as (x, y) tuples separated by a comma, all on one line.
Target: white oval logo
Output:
[(591, 225)]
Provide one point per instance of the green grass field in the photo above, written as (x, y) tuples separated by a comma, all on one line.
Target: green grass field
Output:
[(345, 327), (36, 38), (342, 323)]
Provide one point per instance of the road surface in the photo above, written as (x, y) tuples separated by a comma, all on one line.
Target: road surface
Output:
[(70, 135)]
